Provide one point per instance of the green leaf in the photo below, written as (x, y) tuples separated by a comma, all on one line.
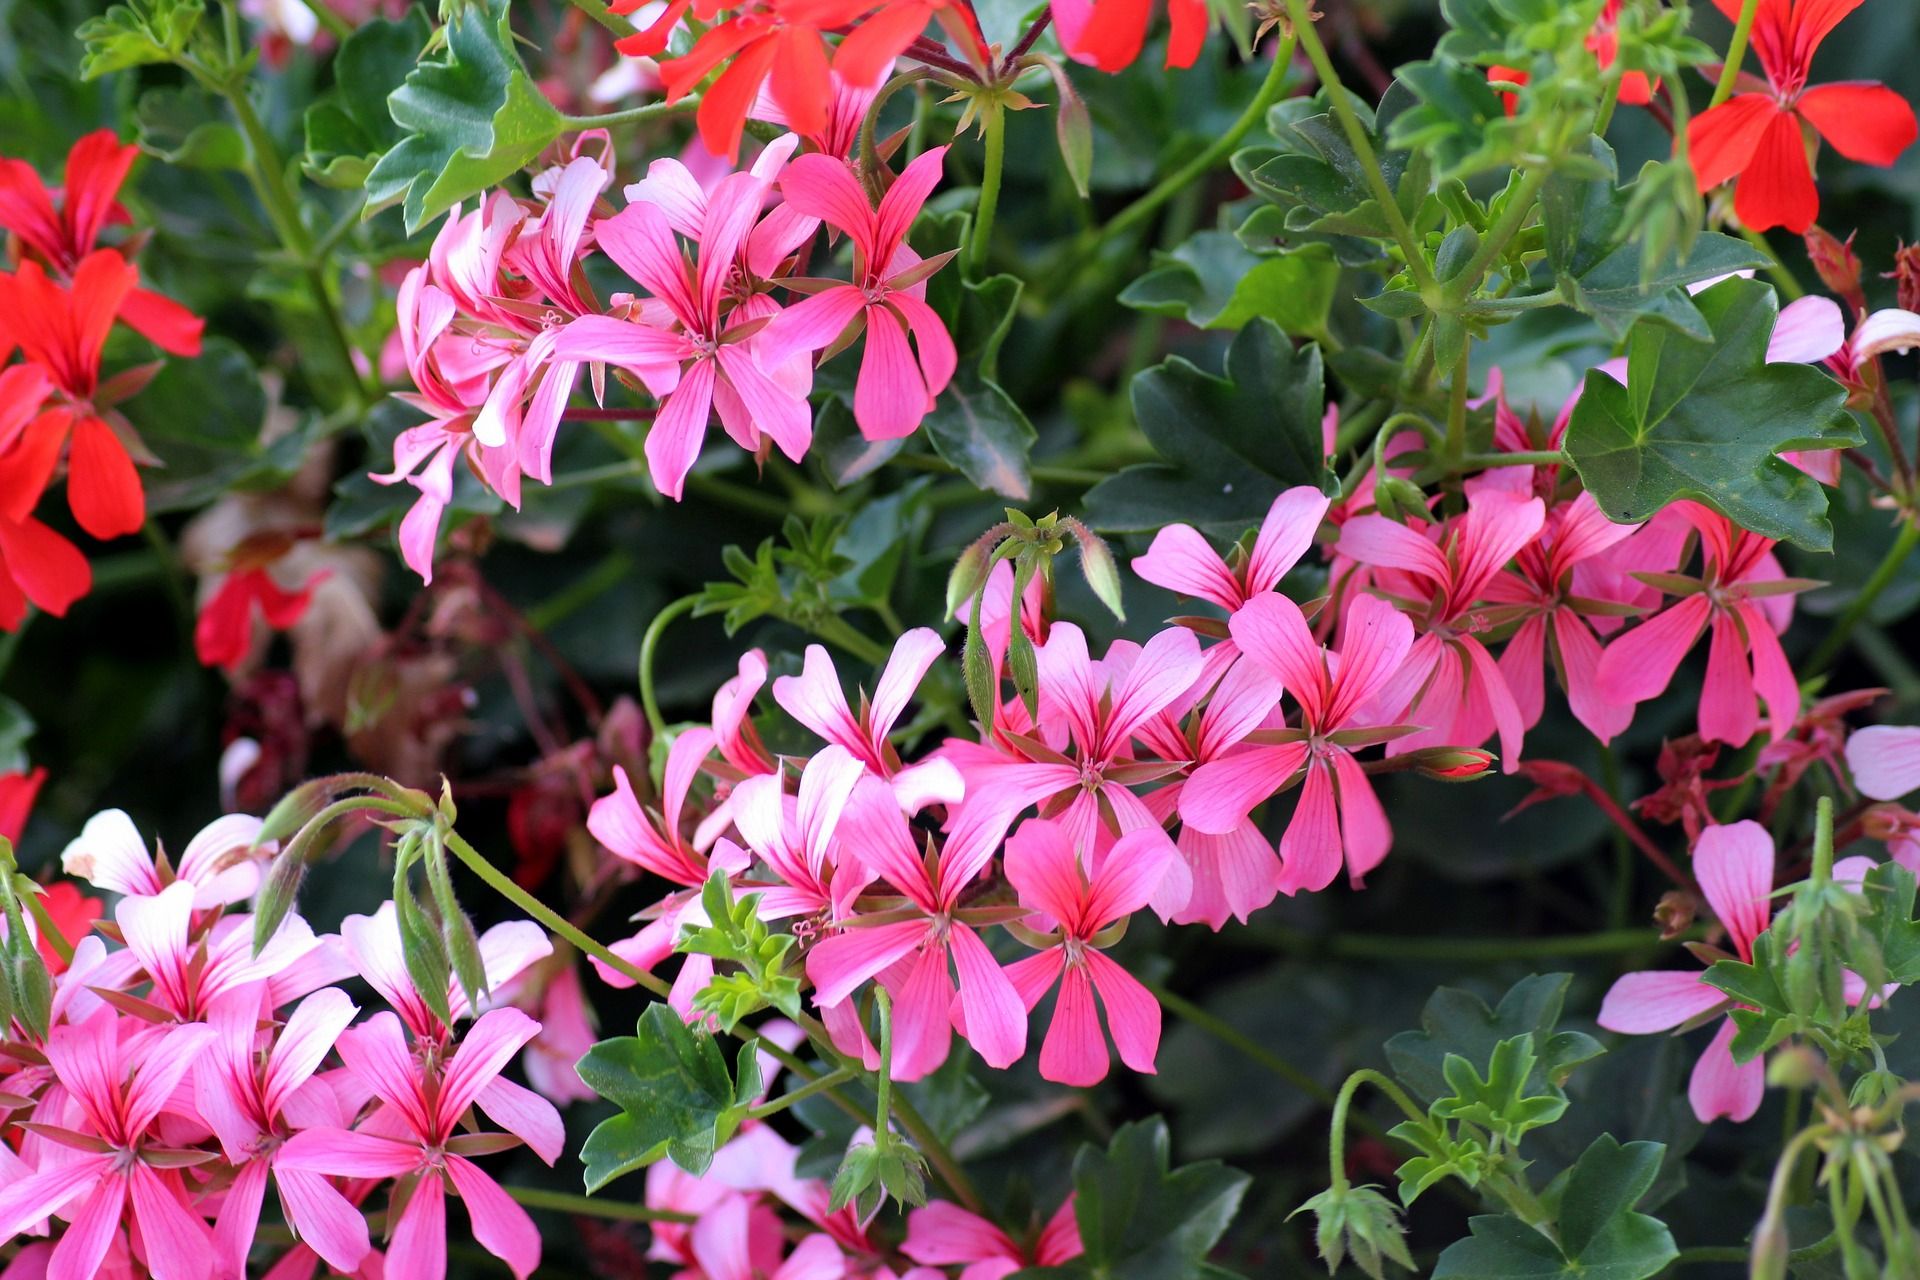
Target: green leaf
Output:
[(1501, 1102), (136, 34), (472, 119), (188, 127), (348, 128), (1459, 1022), (1214, 282), (1460, 122), (1602, 1187), (1618, 293), (1361, 1223), (1706, 420), (1230, 444), (1889, 887), (675, 1095), (976, 426), (1141, 1219)]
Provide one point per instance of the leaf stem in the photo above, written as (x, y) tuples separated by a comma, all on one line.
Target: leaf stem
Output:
[(606, 17), (504, 885), (993, 123), (650, 641), (632, 115), (819, 1084), (1736, 54), (1864, 600), (1337, 1143), (589, 1207), (1168, 187)]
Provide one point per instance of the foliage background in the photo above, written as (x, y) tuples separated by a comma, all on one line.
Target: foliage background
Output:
[(119, 711)]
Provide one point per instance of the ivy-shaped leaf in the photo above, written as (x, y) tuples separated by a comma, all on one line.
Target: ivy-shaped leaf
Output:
[(675, 1095), (1142, 1219), (1501, 1102), (1213, 281), (1889, 888), (136, 34), (349, 127), (472, 118), (1707, 421), (1230, 444), (1459, 1022)]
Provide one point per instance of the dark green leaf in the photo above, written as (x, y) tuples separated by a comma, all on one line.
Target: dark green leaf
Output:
[(1214, 282), (137, 33), (1707, 420), (188, 127), (1459, 1022), (978, 428), (349, 128)]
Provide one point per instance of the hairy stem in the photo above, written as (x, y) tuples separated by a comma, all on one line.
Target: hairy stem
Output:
[(650, 641), (1736, 54)]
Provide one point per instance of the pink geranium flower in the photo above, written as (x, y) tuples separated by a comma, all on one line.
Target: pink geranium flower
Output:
[(1885, 760), (415, 1134), (1734, 865), (816, 700), (896, 388), (116, 1165), (1183, 561), (222, 861), (795, 837), (1449, 683), (700, 357), (1337, 816), (1544, 596), (945, 1235), (254, 1101), (190, 970), (1742, 595), (1083, 899), (917, 958)]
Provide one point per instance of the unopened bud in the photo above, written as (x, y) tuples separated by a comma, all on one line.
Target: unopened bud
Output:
[(1906, 277), (969, 571), (1676, 912), (1102, 574), (1792, 1067), (1836, 263), (1398, 499), (1451, 764), (278, 892)]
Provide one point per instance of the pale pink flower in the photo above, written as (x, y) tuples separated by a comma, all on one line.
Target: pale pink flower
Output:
[(1080, 899), (816, 700), (1337, 816), (733, 733), (113, 1164), (1745, 599), (254, 1101), (700, 361), (655, 843), (1885, 760), (1734, 865), (1184, 562), (945, 1235), (1449, 683), (416, 1134), (795, 838), (1544, 595), (916, 959), (896, 388), (222, 862), (566, 1033)]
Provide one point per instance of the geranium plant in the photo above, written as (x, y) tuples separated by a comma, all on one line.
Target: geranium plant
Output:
[(1271, 568)]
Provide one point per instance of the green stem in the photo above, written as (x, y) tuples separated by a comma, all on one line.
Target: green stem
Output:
[(883, 1087), (1361, 946), (1457, 408), (819, 1084), (1519, 458), (1501, 234), (1864, 600), (504, 885), (1823, 841), (650, 641), (1231, 1036), (1783, 279), (606, 17), (1171, 185), (268, 175), (587, 1207), (1362, 146), (1736, 54), (1337, 1143), (836, 630), (48, 929), (632, 115), (337, 27), (994, 124)]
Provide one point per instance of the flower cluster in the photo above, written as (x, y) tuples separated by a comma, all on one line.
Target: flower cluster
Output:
[(161, 1086), (497, 325), (59, 300)]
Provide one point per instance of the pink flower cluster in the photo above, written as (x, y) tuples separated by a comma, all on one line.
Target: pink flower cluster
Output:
[(497, 325), (181, 1074)]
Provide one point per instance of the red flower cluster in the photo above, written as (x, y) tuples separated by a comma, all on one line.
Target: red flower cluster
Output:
[(56, 308)]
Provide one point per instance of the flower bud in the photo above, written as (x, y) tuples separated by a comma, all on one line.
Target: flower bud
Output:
[(1836, 263), (1906, 277), (1102, 573), (969, 571), (1792, 1067), (1397, 499), (1451, 764), (1675, 913)]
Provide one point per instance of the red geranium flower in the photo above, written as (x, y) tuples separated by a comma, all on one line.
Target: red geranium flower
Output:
[(1757, 137), (223, 636)]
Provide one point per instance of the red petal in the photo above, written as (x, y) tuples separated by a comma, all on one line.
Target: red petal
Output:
[(102, 487), (26, 468), (1865, 122), (801, 84), (45, 565), (1776, 190), (1722, 142), (96, 166), (723, 111), (163, 322)]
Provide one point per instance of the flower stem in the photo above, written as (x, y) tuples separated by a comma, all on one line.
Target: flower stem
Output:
[(819, 1084), (633, 115), (1362, 145), (648, 643), (1337, 1144), (1823, 841), (1234, 1038), (1863, 602), (588, 1207), (504, 885), (1736, 54), (606, 17), (993, 122)]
